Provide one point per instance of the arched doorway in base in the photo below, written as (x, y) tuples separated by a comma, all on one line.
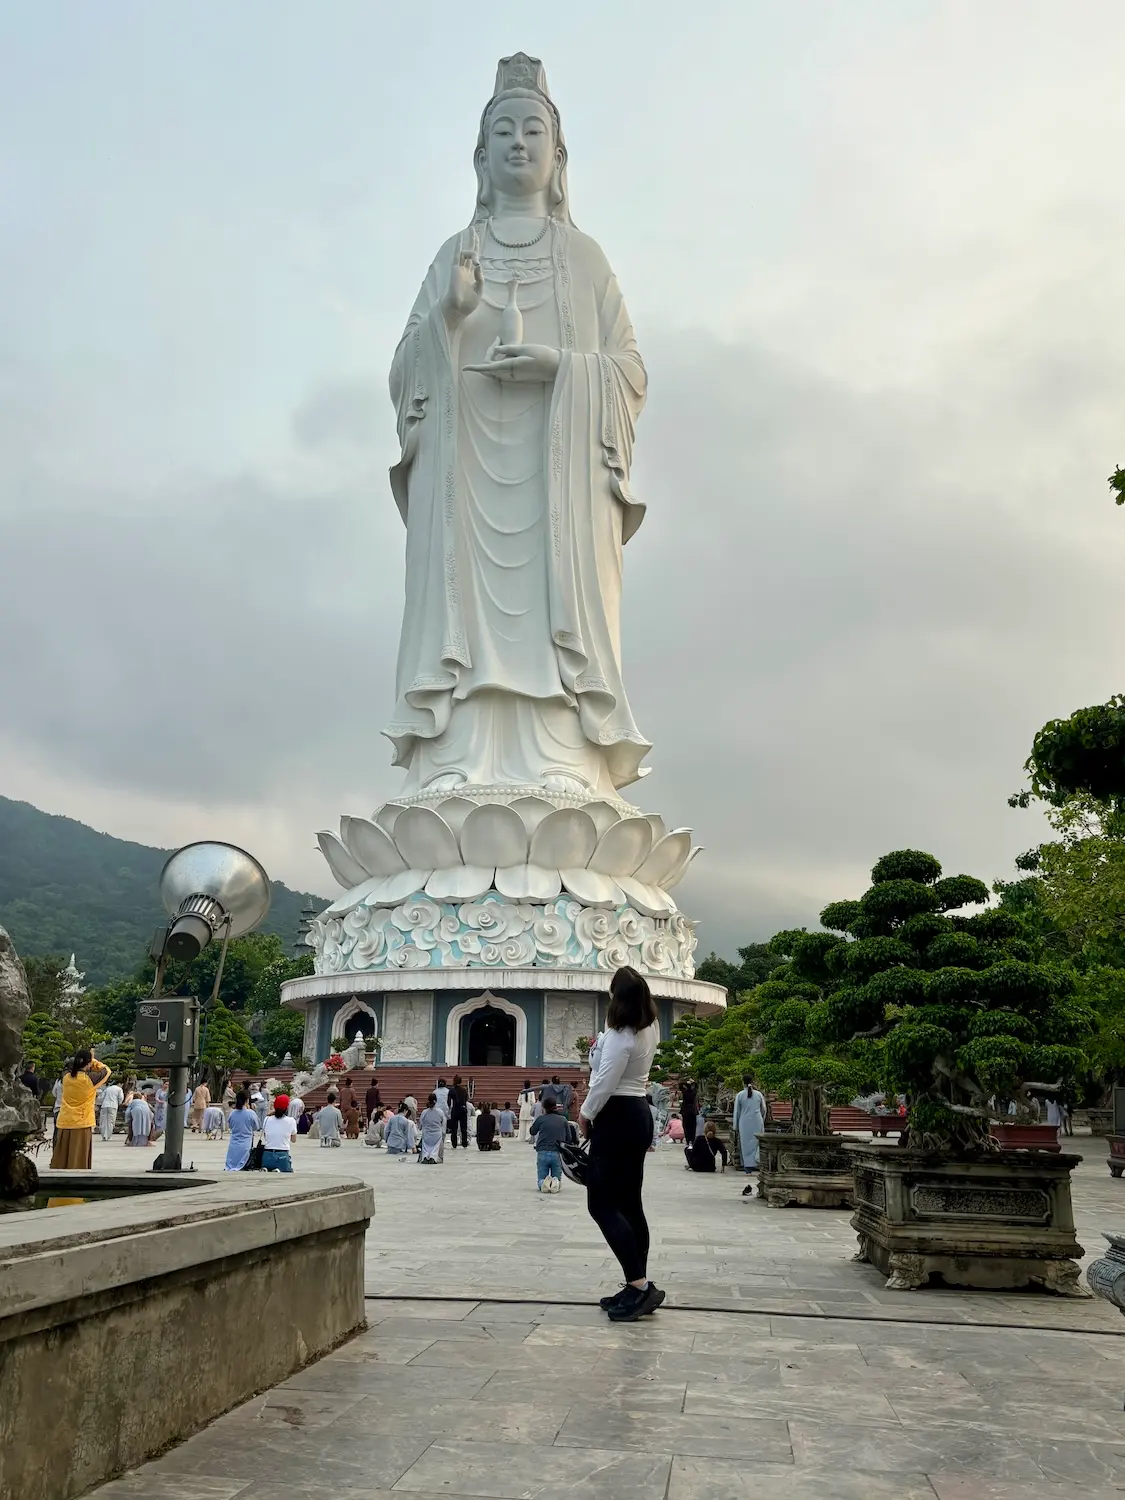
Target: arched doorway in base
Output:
[(456, 1041), (488, 1039), (355, 1014)]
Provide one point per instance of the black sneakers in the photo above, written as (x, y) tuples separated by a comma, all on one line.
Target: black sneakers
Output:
[(634, 1303), (605, 1303)]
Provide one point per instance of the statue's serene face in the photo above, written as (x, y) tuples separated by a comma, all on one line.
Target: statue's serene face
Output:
[(521, 153)]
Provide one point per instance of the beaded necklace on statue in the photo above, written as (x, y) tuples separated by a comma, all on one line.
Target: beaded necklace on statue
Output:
[(517, 244)]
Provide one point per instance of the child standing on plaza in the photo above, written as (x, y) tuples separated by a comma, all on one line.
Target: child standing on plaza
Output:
[(548, 1132)]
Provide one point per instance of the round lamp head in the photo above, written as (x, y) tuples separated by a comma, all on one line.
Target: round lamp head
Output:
[(205, 885)]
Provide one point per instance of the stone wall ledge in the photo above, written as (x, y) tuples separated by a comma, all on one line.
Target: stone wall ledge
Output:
[(52, 1256)]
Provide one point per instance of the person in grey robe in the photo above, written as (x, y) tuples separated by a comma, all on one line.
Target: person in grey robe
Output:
[(140, 1120), (330, 1122), (432, 1126), (399, 1135), (749, 1121)]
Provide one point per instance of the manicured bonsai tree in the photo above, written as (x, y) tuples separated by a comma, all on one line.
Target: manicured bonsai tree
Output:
[(675, 1056), (962, 1014), (794, 1058)]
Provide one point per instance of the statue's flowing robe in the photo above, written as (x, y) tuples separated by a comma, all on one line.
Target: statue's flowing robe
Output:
[(517, 503)]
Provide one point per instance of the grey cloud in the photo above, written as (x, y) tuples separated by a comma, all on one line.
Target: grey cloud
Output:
[(344, 413), (839, 634)]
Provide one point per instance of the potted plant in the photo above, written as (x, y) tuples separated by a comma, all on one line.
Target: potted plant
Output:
[(963, 1015), (582, 1045)]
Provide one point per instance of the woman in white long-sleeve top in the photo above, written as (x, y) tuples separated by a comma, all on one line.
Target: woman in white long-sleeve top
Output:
[(617, 1119)]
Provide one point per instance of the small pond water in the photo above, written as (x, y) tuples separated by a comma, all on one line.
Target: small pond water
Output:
[(69, 1190)]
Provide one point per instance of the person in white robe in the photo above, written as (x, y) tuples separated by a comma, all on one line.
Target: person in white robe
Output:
[(526, 1105), (749, 1122), (108, 1105)]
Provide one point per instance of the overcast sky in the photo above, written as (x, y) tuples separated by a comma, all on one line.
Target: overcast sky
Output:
[(874, 258)]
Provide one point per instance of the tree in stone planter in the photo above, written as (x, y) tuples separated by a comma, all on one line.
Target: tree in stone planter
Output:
[(793, 1059), (960, 1009)]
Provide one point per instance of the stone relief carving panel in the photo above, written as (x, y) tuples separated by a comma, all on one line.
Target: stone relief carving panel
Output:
[(565, 1018), (871, 1189), (312, 1030), (981, 1203), (408, 1027)]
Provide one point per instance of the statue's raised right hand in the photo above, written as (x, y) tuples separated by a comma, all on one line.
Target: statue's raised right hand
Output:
[(466, 280)]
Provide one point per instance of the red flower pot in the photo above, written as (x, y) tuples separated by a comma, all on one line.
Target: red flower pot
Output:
[(1019, 1137)]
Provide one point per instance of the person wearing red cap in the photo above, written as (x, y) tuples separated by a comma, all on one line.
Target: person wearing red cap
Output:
[(277, 1137)]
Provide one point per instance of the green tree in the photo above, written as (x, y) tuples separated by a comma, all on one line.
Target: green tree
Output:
[(961, 1009), (226, 1045), (266, 995), (794, 1059), (757, 964), (675, 1055), (113, 1006), (44, 1045), (283, 1031), (44, 980), (247, 960)]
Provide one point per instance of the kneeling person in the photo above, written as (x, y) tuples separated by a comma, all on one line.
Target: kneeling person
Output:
[(548, 1132)]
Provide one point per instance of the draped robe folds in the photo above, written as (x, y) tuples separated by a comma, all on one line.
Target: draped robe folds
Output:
[(517, 504)]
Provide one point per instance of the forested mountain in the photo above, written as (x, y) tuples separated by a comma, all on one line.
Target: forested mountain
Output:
[(66, 888)]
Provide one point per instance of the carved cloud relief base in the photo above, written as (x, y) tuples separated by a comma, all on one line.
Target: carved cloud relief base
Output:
[(420, 933)]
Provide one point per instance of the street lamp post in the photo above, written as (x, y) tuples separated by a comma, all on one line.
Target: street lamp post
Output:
[(207, 889)]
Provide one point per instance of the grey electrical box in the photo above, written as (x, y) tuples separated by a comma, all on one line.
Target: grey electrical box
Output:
[(167, 1031)]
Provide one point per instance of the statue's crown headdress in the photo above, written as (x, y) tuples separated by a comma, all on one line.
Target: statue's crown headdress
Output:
[(520, 72)]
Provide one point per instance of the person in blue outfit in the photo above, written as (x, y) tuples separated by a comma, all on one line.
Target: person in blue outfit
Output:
[(242, 1124), (548, 1133), (749, 1122)]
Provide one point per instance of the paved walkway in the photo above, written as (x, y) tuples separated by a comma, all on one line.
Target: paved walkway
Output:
[(779, 1368)]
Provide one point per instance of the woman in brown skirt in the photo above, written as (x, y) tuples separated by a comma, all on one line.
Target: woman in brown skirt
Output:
[(74, 1143)]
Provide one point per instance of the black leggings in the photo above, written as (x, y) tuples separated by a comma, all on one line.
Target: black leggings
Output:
[(619, 1140), (460, 1122)]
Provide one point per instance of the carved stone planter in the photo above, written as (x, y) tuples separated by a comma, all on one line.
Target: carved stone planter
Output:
[(813, 1171), (1116, 1159), (999, 1221), (1101, 1121)]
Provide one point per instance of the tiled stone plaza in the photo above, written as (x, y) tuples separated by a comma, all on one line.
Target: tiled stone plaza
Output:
[(777, 1368)]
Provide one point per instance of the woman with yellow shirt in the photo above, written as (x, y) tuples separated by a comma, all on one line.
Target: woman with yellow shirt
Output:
[(74, 1143)]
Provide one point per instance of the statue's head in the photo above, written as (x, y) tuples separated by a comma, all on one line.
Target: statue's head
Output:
[(520, 148)]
